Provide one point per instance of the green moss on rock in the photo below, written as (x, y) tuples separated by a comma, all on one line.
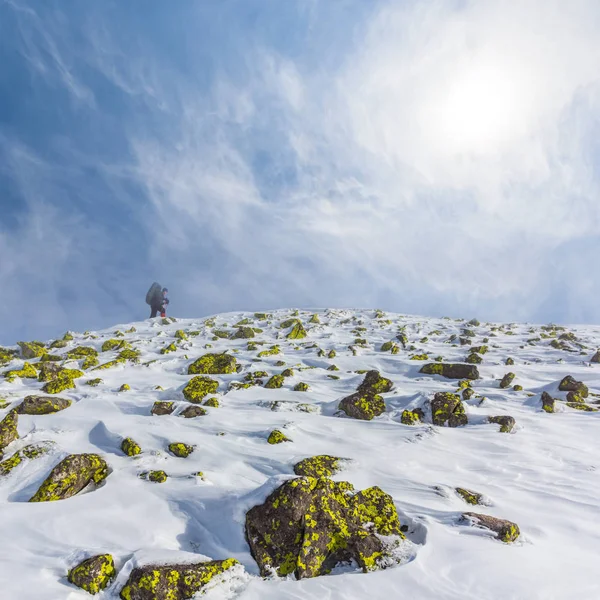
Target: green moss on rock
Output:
[(275, 382), (506, 422), (301, 387), (363, 405), (27, 371), (8, 429), (506, 531), (212, 402), (297, 332), (214, 364), (42, 405), (180, 449), (30, 452), (81, 352), (272, 351), (276, 437), (412, 417), (113, 344), (469, 497), (447, 408), (93, 574), (451, 370), (318, 466), (243, 333), (32, 349), (130, 447), (507, 380), (161, 407), (199, 387)]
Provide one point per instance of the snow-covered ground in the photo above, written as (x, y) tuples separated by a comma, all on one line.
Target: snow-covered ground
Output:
[(544, 476)]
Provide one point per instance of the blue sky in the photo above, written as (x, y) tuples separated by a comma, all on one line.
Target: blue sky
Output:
[(423, 157)]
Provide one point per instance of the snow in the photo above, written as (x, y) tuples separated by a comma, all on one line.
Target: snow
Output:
[(544, 476)]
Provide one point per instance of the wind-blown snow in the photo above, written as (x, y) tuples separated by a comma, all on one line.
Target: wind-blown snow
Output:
[(544, 476)]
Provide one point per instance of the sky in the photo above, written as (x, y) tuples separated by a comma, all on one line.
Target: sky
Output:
[(434, 157)]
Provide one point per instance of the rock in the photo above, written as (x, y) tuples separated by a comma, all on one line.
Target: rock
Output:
[(70, 476), (42, 405), (172, 582), (287, 372), (213, 364), (581, 406), (301, 387), (8, 429), (93, 574), (189, 412), (243, 333), (212, 402), (130, 447), (273, 350), (451, 371), (28, 371), (468, 393), (27, 453), (509, 361), (31, 349), (169, 348), (82, 352), (507, 380), (276, 437), (162, 408), (517, 388), (506, 531), (470, 497), (49, 371), (199, 387), (132, 355), (62, 380), (331, 354), (110, 345), (412, 417), (474, 359), (375, 383), (448, 408), (309, 525), (569, 384), (125, 388), (297, 332), (157, 476), (363, 405), (506, 423), (180, 449), (275, 382), (181, 335), (596, 357), (318, 466), (288, 323), (547, 402)]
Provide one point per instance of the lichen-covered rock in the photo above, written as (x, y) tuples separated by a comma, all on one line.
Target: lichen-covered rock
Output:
[(189, 412), (412, 417), (212, 402), (375, 383), (509, 361), (517, 388), (276, 437), (70, 476), (213, 364), (31, 349), (130, 447), (113, 344), (49, 371), (93, 574), (180, 449), (309, 525), (474, 359), (301, 387), (82, 352), (507, 380), (199, 387), (243, 333), (63, 380), (42, 405), (297, 332), (181, 335), (315, 319), (506, 531), (94, 382), (569, 384), (169, 348), (27, 453), (27, 371), (548, 402), (130, 354), (125, 388), (172, 582), (161, 407), (581, 406), (506, 422), (448, 408), (468, 393), (8, 429), (110, 364), (470, 497), (596, 357), (89, 362), (275, 382), (451, 370), (272, 351), (318, 466), (288, 323), (363, 405)]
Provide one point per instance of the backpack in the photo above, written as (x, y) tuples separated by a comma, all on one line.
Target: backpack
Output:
[(153, 293)]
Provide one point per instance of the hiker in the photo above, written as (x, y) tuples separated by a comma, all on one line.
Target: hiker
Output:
[(157, 299)]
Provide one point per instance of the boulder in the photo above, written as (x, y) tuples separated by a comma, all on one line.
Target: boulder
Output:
[(130, 447), (506, 531), (199, 387), (276, 437), (180, 449), (297, 332), (243, 333), (172, 582), (8, 429), (507, 380), (469, 497), (569, 384), (412, 417), (70, 476), (596, 357), (93, 574), (448, 408), (213, 364), (374, 383), (506, 422), (189, 412), (363, 405), (42, 405), (548, 402), (27, 371), (31, 349), (451, 370), (309, 525), (27, 453), (318, 466), (275, 382), (162, 408)]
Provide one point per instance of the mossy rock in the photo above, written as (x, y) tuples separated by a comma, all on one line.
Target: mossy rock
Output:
[(474, 359), (220, 333), (506, 531), (301, 386), (287, 372), (157, 476), (297, 332), (130, 354), (130, 447), (199, 387), (57, 344), (30, 452), (49, 371), (172, 582), (276, 437), (374, 383), (318, 466), (261, 316), (70, 476), (272, 351), (93, 574), (82, 352), (212, 402), (569, 384), (64, 380), (315, 319), (447, 408), (470, 497), (243, 333), (468, 393), (180, 449), (506, 422), (94, 382), (332, 354), (517, 388), (189, 412), (363, 405), (275, 382), (412, 417), (309, 525), (161, 407), (32, 349), (548, 402), (451, 370), (509, 361), (89, 362), (288, 323), (387, 346), (181, 335), (169, 348), (110, 345), (49, 358), (581, 406), (8, 429), (42, 405), (214, 364), (507, 380), (109, 365), (27, 371)]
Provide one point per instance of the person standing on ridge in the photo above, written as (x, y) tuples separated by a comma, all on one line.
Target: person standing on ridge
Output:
[(157, 299)]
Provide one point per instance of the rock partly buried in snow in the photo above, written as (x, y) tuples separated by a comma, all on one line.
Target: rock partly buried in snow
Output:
[(8, 429), (276, 437), (363, 405), (189, 412), (548, 402), (375, 383), (596, 357), (27, 453), (507, 380), (213, 364), (570, 384), (318, 466), (93, 574), (451, 370), (130, 447), (161, 407), (70, 476), (172, 582), (42, 405), (506, 531), (31, 349), (199, 387), (469, 497), (309, 525), (506, 422), (180, 449), (447, 408), (412, 417)]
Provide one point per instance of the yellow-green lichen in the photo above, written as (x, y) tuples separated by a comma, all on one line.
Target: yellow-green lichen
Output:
[(130, 447), (213, 364), (276, 437), (199, 387), (180, 449)]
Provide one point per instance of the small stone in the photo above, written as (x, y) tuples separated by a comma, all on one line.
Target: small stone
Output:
[(506, 422), (506, 531), (93, 574), (180, 449), (162, 408), (276, 437)]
